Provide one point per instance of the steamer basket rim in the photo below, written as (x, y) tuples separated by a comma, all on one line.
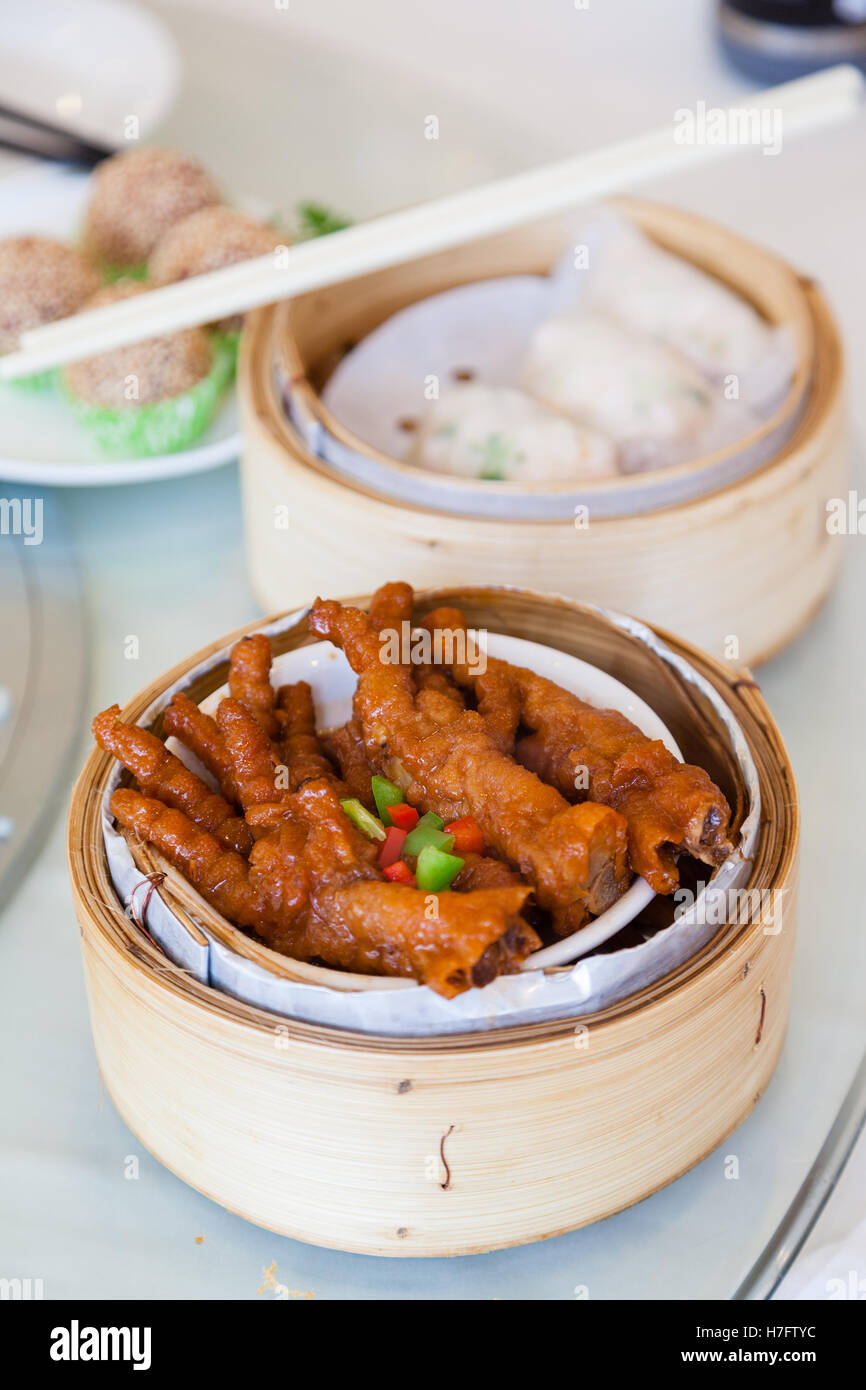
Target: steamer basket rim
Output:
[(138, 955)]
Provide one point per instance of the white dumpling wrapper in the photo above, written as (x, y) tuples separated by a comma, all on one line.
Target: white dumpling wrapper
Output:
[(629, 388), (502, 434), (668, 298)]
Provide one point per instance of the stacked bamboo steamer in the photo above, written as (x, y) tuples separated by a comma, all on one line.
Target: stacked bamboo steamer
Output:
[(750, 560), (450, 1145)]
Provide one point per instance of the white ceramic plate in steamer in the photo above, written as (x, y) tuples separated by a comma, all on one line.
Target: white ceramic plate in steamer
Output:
[(402, 1008), (333, 682), (482, 327)]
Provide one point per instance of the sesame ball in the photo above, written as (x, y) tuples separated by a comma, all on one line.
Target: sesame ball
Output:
[(137, 196), (139, 373), (40, 280), (208, 240)]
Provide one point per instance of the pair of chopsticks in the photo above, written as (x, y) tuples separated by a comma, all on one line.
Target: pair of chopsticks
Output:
[(809, 103), (33, 135)]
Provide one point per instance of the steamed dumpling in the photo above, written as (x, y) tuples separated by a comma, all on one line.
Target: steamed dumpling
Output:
[(604, 376), (502, 434), (665, 297)]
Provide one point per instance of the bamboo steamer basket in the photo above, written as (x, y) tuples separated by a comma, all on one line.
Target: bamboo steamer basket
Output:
[(750, 561), (476, 1141)]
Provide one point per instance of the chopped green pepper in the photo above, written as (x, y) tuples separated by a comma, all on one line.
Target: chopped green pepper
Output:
[(361, 817), (385, 794), (428, 831), (430, 819), (436, 870), (422, 836)]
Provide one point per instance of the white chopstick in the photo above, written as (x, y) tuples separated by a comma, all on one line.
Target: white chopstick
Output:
[(806, 104)]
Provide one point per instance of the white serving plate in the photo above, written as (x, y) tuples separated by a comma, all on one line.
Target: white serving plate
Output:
[(40, 439)]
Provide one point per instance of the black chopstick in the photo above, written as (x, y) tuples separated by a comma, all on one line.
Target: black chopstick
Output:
[(33, 135)]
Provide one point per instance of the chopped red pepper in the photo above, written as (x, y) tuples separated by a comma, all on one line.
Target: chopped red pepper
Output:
[(468, 835), (400, 873), (403, 815), (392, 848)]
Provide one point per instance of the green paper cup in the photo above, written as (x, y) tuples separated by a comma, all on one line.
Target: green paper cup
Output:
[(159, 427), (38, 383), (228, 343)]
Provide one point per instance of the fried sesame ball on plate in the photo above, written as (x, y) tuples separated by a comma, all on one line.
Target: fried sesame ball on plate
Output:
[(137, 196), (40, 281), (207, 240), (139, 373)]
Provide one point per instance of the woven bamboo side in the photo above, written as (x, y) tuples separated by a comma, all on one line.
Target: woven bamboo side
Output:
[(342, 1139), (752, 561)]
